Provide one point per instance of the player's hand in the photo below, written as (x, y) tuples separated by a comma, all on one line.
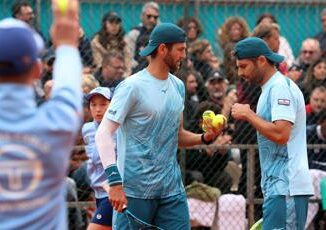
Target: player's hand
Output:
[(117, 197), (65, 26), (241, 111), (212, 132)]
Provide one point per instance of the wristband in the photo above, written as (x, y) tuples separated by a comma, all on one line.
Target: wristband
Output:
[(113, 175), (204, 141)]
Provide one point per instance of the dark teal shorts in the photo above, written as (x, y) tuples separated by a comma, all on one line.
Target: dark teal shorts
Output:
[(165, 213), (285, 212)]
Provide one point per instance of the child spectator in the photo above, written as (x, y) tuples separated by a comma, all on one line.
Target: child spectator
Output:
[(99, 100)]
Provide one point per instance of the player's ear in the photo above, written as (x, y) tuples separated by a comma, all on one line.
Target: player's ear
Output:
[(262, 60), (162, 49)]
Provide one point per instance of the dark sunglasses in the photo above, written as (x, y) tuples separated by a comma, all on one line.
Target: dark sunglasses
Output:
[(149, 16), (308, 51)]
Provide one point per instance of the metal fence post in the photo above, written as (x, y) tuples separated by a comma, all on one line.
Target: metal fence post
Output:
[(251, 184)]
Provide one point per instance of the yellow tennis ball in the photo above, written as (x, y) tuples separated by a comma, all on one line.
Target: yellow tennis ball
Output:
[(208, 114), (219, 120), (63, 6)]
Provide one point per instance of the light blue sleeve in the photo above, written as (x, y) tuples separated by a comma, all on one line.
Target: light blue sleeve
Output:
[(283, 104), (64, 109), (123, 100)]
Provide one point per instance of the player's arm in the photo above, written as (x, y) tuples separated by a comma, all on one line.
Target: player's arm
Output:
[(277, 131), (104, 141), (66, 96), (105, 147), (187, 138)]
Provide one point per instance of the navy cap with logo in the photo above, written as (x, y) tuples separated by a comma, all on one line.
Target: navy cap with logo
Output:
[(161, 34), (20, 47), (253, 47)]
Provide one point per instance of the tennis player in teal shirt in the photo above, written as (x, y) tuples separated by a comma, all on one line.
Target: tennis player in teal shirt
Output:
[(147, 108), (281, 125)]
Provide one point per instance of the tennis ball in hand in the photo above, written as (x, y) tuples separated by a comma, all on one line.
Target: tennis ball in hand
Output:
[(208, 117), (219, 121), (208, 114), (63, 6)]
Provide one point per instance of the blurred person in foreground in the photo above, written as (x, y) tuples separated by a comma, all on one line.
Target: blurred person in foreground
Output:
[(280, 123), (147, 108), (35, 143)]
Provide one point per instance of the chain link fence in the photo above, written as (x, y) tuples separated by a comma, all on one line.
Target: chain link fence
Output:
[(223, 180)]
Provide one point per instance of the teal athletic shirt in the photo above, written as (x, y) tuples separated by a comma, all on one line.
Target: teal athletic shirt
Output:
[(284, 168), (148, 111)]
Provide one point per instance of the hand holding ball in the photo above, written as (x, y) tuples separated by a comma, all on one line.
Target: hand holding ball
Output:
[(216, 121), (219, 121)]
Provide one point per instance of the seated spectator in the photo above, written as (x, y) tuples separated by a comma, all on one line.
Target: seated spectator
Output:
[(88, 83), (233, 30), (270, 33), (204, 60), (309, 53), (110, 39), (22, 10), (217, 86), (284, 47), (74, 213), (137, 38), (316, 76), (85, 50), (316, 134), (317, 103), (321, 36), (112, 70), (193, 28), (218, 92), (208, 164), (190, 79)]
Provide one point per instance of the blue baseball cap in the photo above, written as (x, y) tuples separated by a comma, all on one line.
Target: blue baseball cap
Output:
[(253, 47), (103, 91), (163, 33), (20, 46)]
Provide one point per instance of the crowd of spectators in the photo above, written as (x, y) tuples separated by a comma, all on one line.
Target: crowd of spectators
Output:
[(211, 82)]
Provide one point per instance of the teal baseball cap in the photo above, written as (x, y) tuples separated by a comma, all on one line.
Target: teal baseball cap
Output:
[(253, 47), (163, 33)]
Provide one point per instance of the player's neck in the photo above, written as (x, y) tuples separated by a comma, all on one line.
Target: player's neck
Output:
[(158, 70), (269, 72)]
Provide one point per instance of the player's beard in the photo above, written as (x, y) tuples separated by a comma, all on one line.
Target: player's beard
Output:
[(256, 76), (171, 63)]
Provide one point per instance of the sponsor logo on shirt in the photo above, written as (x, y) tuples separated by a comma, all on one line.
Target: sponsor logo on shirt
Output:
[(283, 102), (113, 112)]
